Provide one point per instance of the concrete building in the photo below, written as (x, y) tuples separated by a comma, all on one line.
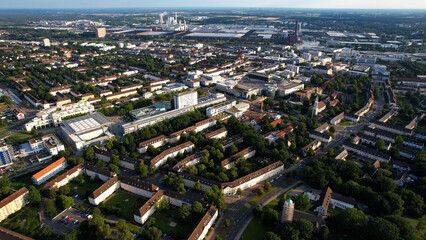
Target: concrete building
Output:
[(55, 115), (185, 99), (154, 142), (98, 173), (46, 144), (392, 128), (6, 158), (100, 32), (13, 203), (138, 186), (151, 120), (337, 119), (288, 211), (104, 191), (85, 131), (191, 160), (49, 171), (7, 234), (215, 110), (46, 42), (217, 134)]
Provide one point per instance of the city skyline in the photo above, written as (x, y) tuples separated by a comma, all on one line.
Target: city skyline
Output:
[(327, 4)]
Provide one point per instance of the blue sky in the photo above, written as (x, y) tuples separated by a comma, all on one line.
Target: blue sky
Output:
[(373, 4)]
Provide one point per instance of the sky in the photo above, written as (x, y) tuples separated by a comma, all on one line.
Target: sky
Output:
[(362, 4)]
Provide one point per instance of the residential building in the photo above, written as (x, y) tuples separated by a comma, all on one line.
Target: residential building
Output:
[(46, 144), (148, 208), (7, 234), (203, 226), (366, 152), (49, 171), (314, 145), (392, 128), (65, 178), (13, 203), (138, 186), (337, 119), (100, 173), (104, 191), (154, 142), (171, 153), (321, 136), (217, 134)]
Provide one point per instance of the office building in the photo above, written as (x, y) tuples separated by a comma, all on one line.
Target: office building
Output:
[(100, 32), (46, 42), (186, 99), (5, 155)]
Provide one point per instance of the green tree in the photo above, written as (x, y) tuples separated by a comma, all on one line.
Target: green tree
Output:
[(380, 144), (305, 228), (184, 213), (72, 235), (258, 211), (34, 196), (301, 202), (115, 160), (381, 229), (399, 140), (215, 196), (196, 208), (270, 215), (142, 170), (64, 201), (239, 191), (64, 190), (267, 186), (272, 236), (50, 208), (152, 234), (114, 168), (197, 186), (89, 154), (126, 235)]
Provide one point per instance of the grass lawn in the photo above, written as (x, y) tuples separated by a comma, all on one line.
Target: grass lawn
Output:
[(126, 204), (344, 123), (19, 135), (164, 218), (256, 230), (85, 189), (22, 181), (258, 197)]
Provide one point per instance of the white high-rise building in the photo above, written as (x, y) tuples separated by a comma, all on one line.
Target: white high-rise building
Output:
[(46, 42), (186, 99)]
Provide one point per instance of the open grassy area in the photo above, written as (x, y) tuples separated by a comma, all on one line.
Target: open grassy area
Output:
[(124, 203), (85, 189), (344, 123), (22, 181), (165, 218), (258, 197), (256, 230)]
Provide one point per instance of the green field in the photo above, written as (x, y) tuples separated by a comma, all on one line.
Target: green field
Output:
[(256, 230), (85, 189), (124, 203), (164, 218)]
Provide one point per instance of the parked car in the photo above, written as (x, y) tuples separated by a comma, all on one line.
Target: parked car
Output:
[(75, 222)]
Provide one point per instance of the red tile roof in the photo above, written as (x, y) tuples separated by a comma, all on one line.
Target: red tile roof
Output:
[(49, 168)]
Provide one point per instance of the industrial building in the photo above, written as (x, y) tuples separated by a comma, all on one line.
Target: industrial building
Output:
[(85, 131)]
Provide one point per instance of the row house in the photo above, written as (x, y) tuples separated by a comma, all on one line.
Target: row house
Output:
[(171, 153)]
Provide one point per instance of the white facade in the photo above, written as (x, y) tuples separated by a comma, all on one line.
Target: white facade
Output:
[(105, 194), (186, 99), (49, 174), (213, 111)]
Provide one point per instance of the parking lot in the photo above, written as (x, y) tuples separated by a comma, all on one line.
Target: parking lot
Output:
[(66, 221)]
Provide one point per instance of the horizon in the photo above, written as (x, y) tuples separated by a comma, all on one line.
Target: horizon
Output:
[(210, 4)]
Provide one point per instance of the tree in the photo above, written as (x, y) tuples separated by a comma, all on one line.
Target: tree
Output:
[(382, 229), (270, 215), (301, 202), (197, 186), (184, 213), (399, 140), (215, 196), (267, 186), (64, 201), (89, 154), (413, 203), (64, 190), (142, 170), (239, 191), (34, 196), (380, 144), (348, 222), (163, 205), (126, 235), (290, 232), (4, 186), (196, 208), (324, 233), (121, 224), (72, 235), (305, 228), (271, 236), (50, 208), (100, 164), (152, 234), (258, 211), (114, 168), (114, 160)]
